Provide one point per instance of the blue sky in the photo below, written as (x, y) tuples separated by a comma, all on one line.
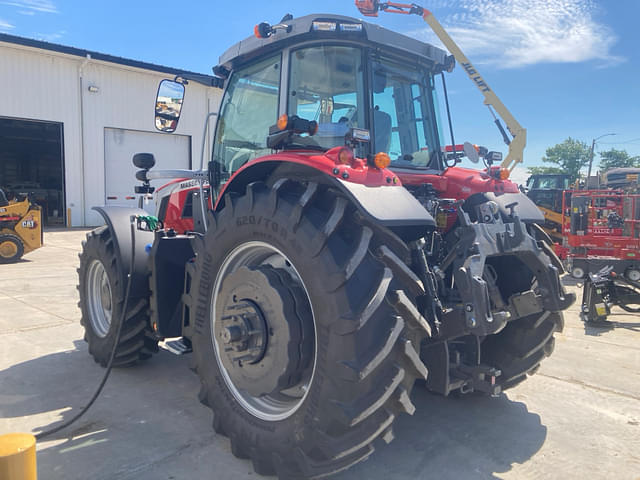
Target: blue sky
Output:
[(563, 67)]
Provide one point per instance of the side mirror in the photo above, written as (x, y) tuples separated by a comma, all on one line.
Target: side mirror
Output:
[(145, 161), (471, 153), (169, 105)]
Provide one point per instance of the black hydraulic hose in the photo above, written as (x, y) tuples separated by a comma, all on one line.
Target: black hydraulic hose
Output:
[(113, 350)]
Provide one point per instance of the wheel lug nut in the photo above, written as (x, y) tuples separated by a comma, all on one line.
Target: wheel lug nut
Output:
[(231, 334)]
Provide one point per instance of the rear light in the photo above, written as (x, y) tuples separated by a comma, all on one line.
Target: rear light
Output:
[(262, 30), (499, 173), (283, 121), (350, 27), (493, 157), (324, 26), (381, 160), (360, 135), (295, 124), (345, 156)]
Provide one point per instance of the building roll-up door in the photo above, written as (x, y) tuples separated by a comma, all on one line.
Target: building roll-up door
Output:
[(171, 151)]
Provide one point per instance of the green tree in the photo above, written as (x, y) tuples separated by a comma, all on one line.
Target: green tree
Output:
[(543, 170), (616, 159), (567, 157)]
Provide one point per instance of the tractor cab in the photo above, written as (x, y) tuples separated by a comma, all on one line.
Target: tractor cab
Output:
[(319, 82), (339, 73)]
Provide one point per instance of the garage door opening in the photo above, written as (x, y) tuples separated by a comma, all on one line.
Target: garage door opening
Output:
[(170, 151), (32, 161)]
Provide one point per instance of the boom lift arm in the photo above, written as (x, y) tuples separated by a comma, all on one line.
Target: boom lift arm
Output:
[(370, 8)]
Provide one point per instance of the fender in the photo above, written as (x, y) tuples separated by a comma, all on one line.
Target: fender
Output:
[(524, 208), (390, 205), (118, 219)]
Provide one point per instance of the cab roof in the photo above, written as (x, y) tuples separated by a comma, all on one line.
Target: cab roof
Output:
[(302, 29)]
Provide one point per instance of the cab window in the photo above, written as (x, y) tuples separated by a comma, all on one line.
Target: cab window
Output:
[(249, 108), (404, 121), (326, 85)]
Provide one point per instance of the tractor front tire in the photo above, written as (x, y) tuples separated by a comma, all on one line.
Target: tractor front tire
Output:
[(11, 248), (518, 350), (102, 289), (304, 336)]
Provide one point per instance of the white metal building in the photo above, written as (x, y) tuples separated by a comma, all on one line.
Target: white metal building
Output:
[(71, 119)]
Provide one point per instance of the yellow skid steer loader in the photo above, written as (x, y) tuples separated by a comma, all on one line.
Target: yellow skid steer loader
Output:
[(20, 227)]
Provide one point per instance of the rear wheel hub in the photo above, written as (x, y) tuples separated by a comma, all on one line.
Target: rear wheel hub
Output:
[(258, 331)]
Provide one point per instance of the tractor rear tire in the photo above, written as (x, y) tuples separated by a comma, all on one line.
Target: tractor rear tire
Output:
[(355, 334), (102, 289), (11, 248), (519, 349)]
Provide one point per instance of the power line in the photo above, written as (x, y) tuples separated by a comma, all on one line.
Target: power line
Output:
[(633, 140)]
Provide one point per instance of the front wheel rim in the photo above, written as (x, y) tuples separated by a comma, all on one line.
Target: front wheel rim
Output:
[(577, 273), (277, 405), (99, 298), (8, 249), (633, 275)]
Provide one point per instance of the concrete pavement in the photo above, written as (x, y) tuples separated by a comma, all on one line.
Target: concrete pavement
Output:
[(578, 417)]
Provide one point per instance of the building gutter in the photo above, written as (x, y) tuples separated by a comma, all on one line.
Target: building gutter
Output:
[(84, 63)]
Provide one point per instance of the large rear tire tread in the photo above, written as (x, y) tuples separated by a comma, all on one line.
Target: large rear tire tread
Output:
[(136, 341), (519, 349), (367, 360)]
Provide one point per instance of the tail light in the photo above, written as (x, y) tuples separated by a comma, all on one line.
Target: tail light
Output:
[(345, 156), (381, 160), (262, 30), (499, 173)]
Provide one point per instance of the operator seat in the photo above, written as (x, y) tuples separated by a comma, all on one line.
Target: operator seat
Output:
[(3, 199)]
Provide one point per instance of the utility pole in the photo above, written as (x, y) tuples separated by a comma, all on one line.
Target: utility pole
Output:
[(593, 146)]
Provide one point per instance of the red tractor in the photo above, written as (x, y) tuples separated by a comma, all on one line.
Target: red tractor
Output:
[(330, 253)]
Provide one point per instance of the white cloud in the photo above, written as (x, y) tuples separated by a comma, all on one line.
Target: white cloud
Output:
[(50, 37), (517, 33), (4, 25), (519, 175), (46, 6)]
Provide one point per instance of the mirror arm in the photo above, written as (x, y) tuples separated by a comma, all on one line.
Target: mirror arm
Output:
[(205, 136), (206, 80)]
